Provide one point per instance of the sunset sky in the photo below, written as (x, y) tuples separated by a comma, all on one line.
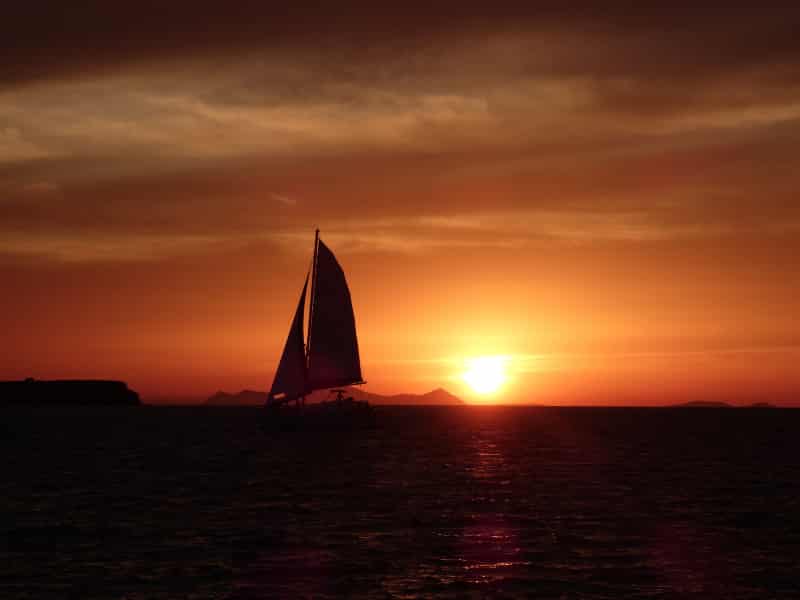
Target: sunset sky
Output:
[(605, 195)]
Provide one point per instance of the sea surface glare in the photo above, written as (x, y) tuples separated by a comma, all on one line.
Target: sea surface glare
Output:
[(159, 502)]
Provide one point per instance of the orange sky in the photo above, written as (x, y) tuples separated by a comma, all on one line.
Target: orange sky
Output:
[(606, 197)]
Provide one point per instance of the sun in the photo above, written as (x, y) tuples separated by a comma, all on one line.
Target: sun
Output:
[(485, 374)]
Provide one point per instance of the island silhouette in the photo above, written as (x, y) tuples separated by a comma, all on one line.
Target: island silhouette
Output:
[(439, 396), (720, 404), (89, 392)]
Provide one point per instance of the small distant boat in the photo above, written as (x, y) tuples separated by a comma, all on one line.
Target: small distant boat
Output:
[(329, 360)]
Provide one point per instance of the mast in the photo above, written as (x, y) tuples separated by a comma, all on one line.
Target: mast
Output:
[(313, 298)]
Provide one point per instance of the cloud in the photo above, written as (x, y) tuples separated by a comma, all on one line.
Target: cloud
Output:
[(512, 231), (580, 124), (96, 37), (119, 127), (518, 231), (41, 188), (110, 248), (285, 200), (14, 147)]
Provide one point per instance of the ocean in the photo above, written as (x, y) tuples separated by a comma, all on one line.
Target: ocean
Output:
[(195, 502)]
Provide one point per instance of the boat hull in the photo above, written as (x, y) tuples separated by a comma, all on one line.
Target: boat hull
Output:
[(325, 416)]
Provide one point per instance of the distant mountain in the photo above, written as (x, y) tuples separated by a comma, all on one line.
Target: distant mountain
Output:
[(703, 404), (713, 404), (438, 396), (243, 398)]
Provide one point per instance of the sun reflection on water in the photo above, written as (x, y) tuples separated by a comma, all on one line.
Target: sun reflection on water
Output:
[(489, 547)]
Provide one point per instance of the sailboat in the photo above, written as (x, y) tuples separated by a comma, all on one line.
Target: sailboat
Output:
[(328, 360)]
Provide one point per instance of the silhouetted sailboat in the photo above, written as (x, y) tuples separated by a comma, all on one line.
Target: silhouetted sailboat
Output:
[(329, 359)]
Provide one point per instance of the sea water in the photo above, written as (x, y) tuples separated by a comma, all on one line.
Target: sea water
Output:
[(159, 502)]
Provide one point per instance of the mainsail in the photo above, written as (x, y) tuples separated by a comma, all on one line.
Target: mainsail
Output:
[(290, 378), (332, 345), (330, 359)]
